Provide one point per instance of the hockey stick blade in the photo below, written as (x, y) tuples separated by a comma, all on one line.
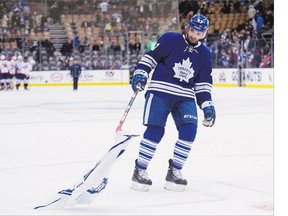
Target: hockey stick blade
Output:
[(56, 203), (51, 203)]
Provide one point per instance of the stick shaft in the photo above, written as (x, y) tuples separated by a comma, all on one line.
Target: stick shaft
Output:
[(119, 127)]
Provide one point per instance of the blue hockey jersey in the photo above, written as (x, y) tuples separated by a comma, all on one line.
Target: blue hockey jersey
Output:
[(181, 71)]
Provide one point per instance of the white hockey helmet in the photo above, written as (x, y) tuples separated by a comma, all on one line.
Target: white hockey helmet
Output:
[(2, 57), (32, 61), (20, 58)]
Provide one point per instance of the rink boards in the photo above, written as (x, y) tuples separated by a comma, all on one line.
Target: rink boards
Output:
[(250, 77), (87, 77), (223, 77)]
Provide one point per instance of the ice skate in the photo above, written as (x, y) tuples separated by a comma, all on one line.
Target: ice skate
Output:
[(174, 179), (140, 179), (26, 87)]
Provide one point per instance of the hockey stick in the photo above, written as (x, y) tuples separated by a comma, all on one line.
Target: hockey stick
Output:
[(119, 127)]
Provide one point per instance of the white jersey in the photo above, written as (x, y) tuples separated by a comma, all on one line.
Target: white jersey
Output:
[(24, 68), (13, 67), (4, 66)]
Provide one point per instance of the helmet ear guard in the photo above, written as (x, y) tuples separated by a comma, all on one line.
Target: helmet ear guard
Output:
[(32, 62)]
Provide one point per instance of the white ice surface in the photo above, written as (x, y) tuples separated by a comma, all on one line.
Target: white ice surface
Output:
[(51, 136)]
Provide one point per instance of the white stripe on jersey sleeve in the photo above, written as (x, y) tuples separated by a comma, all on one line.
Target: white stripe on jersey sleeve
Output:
[(203, 87), (148, 61)]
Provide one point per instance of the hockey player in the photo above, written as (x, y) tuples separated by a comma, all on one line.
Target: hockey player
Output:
[(75, 72), (23, 70), (4, 72), (12, 72), (181, 78)]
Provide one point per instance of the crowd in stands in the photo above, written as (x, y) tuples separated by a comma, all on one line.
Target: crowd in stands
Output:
[(116, 33), (236, 38)]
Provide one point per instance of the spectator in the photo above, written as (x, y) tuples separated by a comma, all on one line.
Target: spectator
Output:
[(137, 46), (131, 45), (260, 23), (257, 53), (54, 12), (38, 20), (95, 47), (26, 9), (115, 47), (108, 28), (67, 48), (266, 61), (247, 43), (104, 6), (86, 65), (64, 63), (84, 43), (50, 49), (96, 65), (269, 19), (151, 43), (75, 42), (251, 12)]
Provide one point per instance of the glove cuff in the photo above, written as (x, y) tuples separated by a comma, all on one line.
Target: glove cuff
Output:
[(207, 104), (142, 72)]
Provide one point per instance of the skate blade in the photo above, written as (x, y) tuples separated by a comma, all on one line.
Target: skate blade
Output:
[(174, 187), (140, 187)]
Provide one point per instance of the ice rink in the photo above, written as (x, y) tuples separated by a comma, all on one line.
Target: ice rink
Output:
[(50, 136)]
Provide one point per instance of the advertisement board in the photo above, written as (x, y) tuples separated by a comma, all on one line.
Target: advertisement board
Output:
[(252, 77), (87, 77), (226, 77)]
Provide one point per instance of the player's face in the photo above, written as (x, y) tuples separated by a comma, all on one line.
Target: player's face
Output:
[(194, 36)]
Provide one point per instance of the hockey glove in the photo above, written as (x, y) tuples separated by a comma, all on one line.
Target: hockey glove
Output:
[(209, 113), (139, 80)]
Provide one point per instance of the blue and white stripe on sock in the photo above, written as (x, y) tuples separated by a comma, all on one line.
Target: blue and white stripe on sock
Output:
[(146, 153), (181, 153)]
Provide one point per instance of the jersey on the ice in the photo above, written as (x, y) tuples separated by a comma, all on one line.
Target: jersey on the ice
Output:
[(180, 69)]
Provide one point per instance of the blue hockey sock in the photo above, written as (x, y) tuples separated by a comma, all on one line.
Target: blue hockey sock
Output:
[(183, 145), (181, 152), (148, 145)]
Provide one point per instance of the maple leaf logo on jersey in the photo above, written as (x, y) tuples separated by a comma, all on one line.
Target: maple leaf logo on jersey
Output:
[(184, 71)]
